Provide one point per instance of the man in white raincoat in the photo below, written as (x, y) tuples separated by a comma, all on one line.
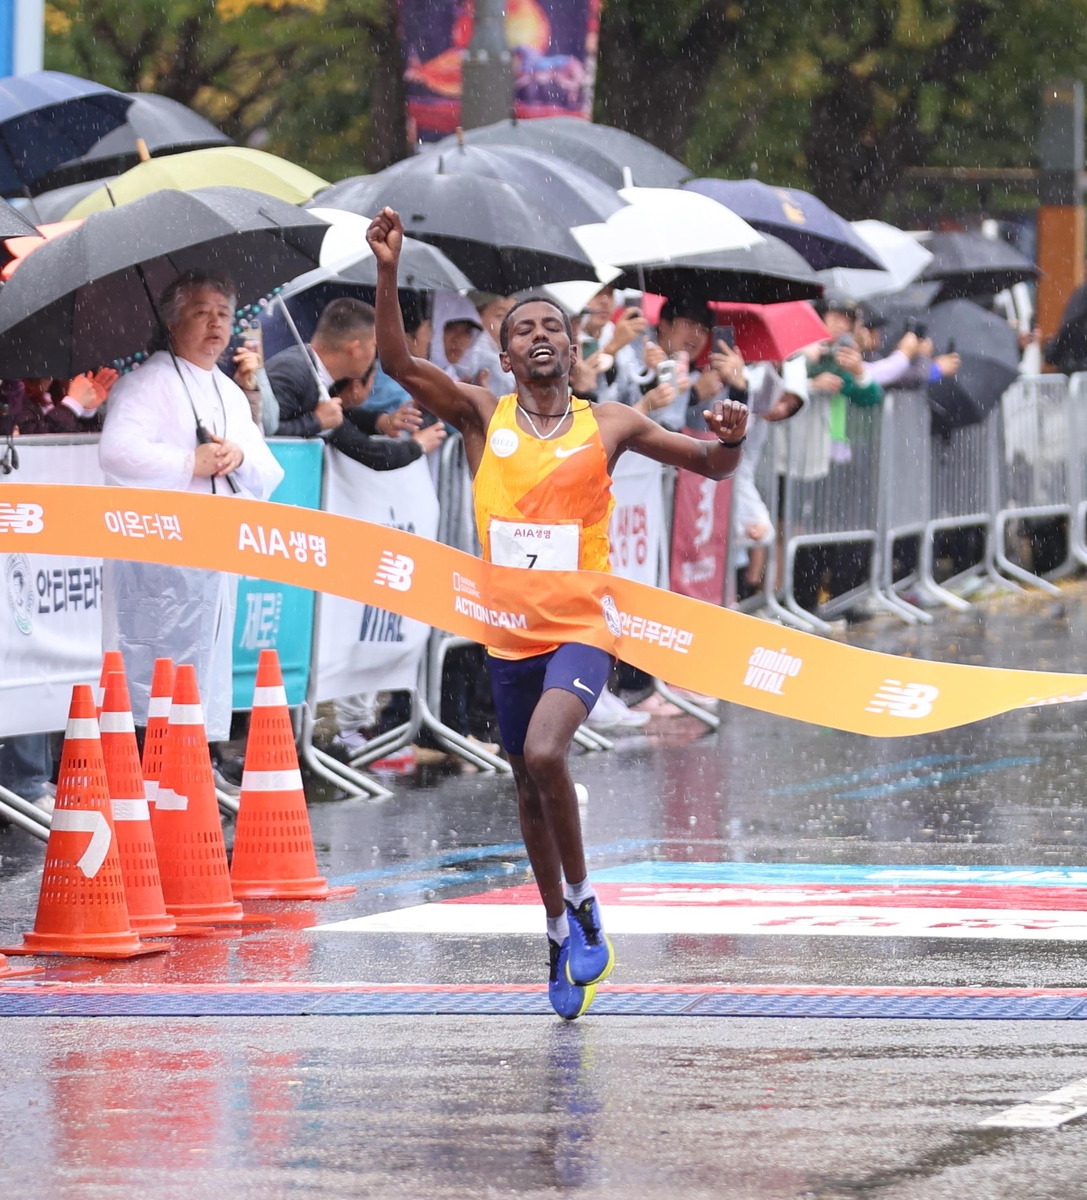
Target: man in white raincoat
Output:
[(150, 441)]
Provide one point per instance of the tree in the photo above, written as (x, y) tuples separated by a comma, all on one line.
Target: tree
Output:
[(841, 98), (301, 78)]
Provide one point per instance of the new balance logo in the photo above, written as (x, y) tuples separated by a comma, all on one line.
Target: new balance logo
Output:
[(394, 571), (21, 518), (899, 699)]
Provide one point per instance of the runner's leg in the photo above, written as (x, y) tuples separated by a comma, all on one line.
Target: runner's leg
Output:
[(550, 732)]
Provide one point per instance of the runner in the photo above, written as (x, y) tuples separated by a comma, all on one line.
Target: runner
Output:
[(541, 462)]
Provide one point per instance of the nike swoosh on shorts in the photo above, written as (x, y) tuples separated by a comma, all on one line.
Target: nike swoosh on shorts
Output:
[(578, 683), (561, 452)]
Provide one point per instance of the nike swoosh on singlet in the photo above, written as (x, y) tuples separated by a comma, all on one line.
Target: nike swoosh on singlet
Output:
[(560, 452), (577, 682)]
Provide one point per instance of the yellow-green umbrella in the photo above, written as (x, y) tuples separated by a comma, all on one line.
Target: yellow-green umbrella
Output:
[(219, 166)]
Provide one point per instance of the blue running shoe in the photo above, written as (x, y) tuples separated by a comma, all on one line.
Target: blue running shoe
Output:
[(568, 999), (591, 955)]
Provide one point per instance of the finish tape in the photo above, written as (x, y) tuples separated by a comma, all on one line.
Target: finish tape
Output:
[(687, 642)]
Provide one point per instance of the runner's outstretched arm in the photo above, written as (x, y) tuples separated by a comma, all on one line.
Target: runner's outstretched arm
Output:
[(432, 388), (727, 420)]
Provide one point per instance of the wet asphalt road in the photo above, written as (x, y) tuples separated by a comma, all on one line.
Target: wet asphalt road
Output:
[(623, 1106)]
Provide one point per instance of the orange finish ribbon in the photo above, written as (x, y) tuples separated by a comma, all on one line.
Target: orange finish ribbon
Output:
[(687, 642)]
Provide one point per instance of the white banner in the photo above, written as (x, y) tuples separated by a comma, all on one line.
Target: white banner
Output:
[(637, 521), (366, 649), (51, 614)]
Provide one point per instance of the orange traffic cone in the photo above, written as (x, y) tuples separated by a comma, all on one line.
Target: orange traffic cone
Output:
[(185, 820), (131, 817), (111, 661), (81, 908), (273, 843), (7, 971), (158, 718)]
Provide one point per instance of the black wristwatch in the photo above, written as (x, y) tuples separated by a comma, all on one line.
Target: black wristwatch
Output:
[(734, 445)]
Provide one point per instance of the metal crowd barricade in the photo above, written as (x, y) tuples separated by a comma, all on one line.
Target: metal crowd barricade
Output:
[(961, 499), (906, 496), (1032, 470), (831, 496), (1077, 461)]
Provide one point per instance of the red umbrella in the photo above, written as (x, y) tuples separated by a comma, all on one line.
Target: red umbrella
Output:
[(771, 332)]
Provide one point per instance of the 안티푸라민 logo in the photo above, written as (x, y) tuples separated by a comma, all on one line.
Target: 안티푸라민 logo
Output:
[(767, 670), (897, 699)]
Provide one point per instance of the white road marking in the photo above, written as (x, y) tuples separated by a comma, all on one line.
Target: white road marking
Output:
[(1044, 1112), (825, 921)]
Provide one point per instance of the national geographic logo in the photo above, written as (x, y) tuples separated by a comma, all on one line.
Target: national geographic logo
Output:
[(767, 670)]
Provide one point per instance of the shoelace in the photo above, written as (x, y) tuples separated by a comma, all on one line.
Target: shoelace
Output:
[(584, 917)]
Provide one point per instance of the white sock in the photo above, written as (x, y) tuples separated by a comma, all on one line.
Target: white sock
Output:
[(558, 928), (578, 893)]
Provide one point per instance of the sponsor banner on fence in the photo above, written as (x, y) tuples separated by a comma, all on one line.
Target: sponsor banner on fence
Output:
[(369, 647), (686, 642), (272, 615), (552, 44), (637, 521), (51, 614), (700, 523)]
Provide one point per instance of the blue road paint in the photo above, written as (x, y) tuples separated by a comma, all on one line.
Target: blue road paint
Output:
[(826, 782), (914, 782), (515, 851), (815, 873)]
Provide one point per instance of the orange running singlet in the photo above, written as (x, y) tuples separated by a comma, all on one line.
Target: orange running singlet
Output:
[(543, 504)]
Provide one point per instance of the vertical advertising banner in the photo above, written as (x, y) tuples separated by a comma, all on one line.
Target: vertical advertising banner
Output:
[(552, 43)]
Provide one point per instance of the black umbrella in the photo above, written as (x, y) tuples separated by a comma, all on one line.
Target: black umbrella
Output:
[(502, 236), (163, 125), (618, 158), (48, 118), (769, 273), (989, 350), (53, 205), (1067, 350), (573, 196), (14, 224), (80, 300), (970, 265)]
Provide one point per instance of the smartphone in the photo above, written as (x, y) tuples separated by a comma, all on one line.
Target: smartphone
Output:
[(846, 341), (951, 345), (253, 338), (666, 372), (723, 333)]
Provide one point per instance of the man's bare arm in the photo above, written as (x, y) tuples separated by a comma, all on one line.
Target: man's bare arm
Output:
[(632, 430), (459, 404)]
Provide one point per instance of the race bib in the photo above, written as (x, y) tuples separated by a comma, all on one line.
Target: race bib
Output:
[(535, 545)]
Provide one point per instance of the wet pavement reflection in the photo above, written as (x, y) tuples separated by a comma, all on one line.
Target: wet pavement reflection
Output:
[(631, 1106)]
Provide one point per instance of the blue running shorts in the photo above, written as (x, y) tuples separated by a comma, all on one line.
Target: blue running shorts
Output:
[(519, 683)]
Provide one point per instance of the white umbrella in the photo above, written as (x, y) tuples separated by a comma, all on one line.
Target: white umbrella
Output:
[(345, 243), (904, 256), (659, 225), (573, 294)]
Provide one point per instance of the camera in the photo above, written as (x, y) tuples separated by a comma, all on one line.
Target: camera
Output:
[(917, 327), (666, 372)]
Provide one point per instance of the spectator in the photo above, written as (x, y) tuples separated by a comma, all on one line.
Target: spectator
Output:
[(386, 395), (456, 327), (26, 768), (252, 378), (484, 351), (911, 365), (683, 333), (837, 367), (150, 439), (310, 384), (49, 406)]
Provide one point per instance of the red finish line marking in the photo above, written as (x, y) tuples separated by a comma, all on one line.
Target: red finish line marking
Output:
[(728, 895)]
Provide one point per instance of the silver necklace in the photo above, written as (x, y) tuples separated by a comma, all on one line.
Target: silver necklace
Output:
[(546, 437)]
